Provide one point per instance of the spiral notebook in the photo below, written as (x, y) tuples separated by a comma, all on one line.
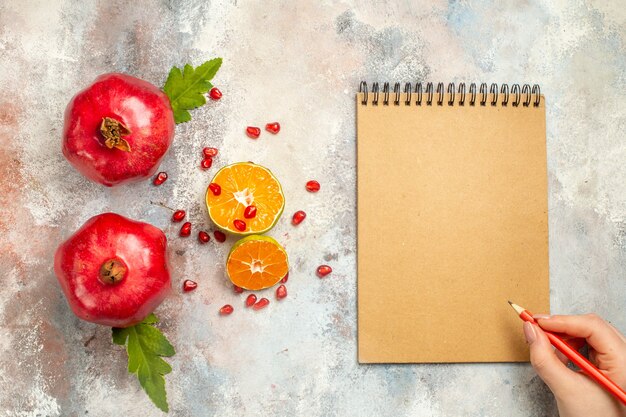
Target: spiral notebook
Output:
[(452, 221)]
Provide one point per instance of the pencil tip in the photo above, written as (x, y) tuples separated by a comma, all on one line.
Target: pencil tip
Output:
[(517, 308), (509, 302)]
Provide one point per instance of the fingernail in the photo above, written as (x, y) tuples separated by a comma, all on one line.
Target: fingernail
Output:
[(529, 332), (541, 316)]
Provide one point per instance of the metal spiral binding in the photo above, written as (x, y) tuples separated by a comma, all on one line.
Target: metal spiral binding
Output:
[(425, 94)]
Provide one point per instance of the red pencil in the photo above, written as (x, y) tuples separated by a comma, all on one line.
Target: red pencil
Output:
[(578, 359)]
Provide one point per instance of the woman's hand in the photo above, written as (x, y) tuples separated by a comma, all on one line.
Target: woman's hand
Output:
[(576, 394)]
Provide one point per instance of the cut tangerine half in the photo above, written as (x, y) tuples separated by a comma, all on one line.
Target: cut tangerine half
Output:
[(242, 185), (256, 262)]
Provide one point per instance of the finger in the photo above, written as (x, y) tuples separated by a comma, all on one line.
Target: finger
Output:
[(596, 331), (621, 336), (546, 363)]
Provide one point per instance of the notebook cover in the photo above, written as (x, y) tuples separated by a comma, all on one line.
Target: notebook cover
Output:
[(452, 223)]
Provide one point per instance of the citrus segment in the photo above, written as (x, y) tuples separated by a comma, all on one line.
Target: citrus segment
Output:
[(256, 262), (245, 184)]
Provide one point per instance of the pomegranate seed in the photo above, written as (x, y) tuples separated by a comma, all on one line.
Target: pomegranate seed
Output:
[(189, 285), (160, 178), (312, 186), (203, 236), (281, 292), (239, 225), (215, 93), (206, 163), (253, 132), (249, 212), (273, 127), (226, 310), (178, 216), (298, 216), (323, 270), (209, 152), (250, 300), (262, 303), (185, 230), (215, 188), (219, 236), (285, 278), (237, 289)]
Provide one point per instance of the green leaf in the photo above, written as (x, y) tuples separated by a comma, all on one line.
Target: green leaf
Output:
[(186, 88), (151, 319), (145, 345)]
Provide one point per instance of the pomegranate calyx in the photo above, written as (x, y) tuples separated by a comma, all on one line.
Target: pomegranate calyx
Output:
[(113, 130), (112, 271)]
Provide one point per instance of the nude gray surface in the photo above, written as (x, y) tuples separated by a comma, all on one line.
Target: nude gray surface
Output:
[(298, 63)]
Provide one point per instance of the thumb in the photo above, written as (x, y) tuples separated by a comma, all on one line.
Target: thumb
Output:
[(545, 361)]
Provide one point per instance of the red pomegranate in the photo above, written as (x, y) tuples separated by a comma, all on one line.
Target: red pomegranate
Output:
[(118, 129), (113, 270)]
